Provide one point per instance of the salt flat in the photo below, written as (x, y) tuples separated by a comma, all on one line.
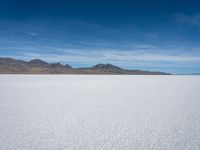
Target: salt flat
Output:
[(57, 112)]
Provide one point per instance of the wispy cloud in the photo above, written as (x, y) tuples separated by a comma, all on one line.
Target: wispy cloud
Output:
[(189, 19), (122, 58), (33, 33)]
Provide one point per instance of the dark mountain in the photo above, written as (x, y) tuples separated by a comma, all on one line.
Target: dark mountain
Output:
[(68, 66), (37, 63), (111, 69), (9, 65), (57, 65), (107, 68), (103, 69), (37, 66)]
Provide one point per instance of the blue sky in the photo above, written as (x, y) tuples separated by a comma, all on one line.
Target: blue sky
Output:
[(150, 35)]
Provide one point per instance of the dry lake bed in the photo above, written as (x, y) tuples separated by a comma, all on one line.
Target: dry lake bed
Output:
[(97, 112)]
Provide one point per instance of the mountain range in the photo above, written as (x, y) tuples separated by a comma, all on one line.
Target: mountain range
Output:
[(37, 66)]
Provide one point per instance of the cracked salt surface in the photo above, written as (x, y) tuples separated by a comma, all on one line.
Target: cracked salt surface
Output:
[(64, 112)]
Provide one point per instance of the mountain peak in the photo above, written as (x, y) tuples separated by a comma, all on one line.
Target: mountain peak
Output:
[(106, 66), (57, 65), (37, 62)]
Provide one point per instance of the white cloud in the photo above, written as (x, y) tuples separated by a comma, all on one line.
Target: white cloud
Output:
[(33, 33), (154, 57)]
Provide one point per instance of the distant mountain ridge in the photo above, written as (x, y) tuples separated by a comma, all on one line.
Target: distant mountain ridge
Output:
[(37, 66)]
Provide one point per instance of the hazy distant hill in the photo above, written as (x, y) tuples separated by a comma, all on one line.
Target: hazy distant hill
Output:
[(37, 66)]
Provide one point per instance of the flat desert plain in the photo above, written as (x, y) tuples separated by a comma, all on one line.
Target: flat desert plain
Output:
[(99, 112)]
